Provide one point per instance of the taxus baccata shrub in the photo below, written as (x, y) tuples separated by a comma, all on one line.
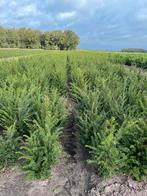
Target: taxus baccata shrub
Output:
[(111, 114), (9, 145), (32, 113)]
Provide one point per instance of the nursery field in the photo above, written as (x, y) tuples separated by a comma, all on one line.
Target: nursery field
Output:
[(129, 59), (109, 108), (5, 53)]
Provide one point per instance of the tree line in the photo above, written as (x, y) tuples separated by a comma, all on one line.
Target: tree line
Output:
[(134, 50), (33, 39)]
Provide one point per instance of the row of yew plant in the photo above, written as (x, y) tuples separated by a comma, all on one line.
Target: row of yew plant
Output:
[(111, 110), (137, 60), (6, 53), (32, 112)]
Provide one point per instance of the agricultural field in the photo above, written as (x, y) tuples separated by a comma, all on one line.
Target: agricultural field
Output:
[(5, 53), (130, 59), (85, 104), (138, 60)]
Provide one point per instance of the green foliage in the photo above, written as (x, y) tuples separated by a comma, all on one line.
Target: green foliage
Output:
[(132, 143), (5, 53), (67, 40), (9, 145), (133, 50), (42, 146), (30, 98), (41, 150), (71, 40), (111, 113), (28, 38), (3, 42), (104, 149), (137, 60)]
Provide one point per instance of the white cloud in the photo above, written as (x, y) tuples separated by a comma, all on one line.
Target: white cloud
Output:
[(142, 17), (66, 15), (2, 3), (88, 4), (28, 10), (13, 3), (142, 14), (80, 3)]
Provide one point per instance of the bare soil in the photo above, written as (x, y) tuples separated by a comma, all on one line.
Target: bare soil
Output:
[(1, 131), (68, 179)]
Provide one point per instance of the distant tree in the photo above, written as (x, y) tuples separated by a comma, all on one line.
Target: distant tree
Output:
[(48, 41), (28, 38), (59, 39), (3, 42), (133, 50), (53, 40), (24, 38), (12, 38), (72, 40)]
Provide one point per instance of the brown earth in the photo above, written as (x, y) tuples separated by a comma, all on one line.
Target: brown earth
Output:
[(69, 178)]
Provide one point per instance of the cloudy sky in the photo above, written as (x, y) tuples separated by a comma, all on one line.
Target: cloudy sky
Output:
[(101, 24)]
